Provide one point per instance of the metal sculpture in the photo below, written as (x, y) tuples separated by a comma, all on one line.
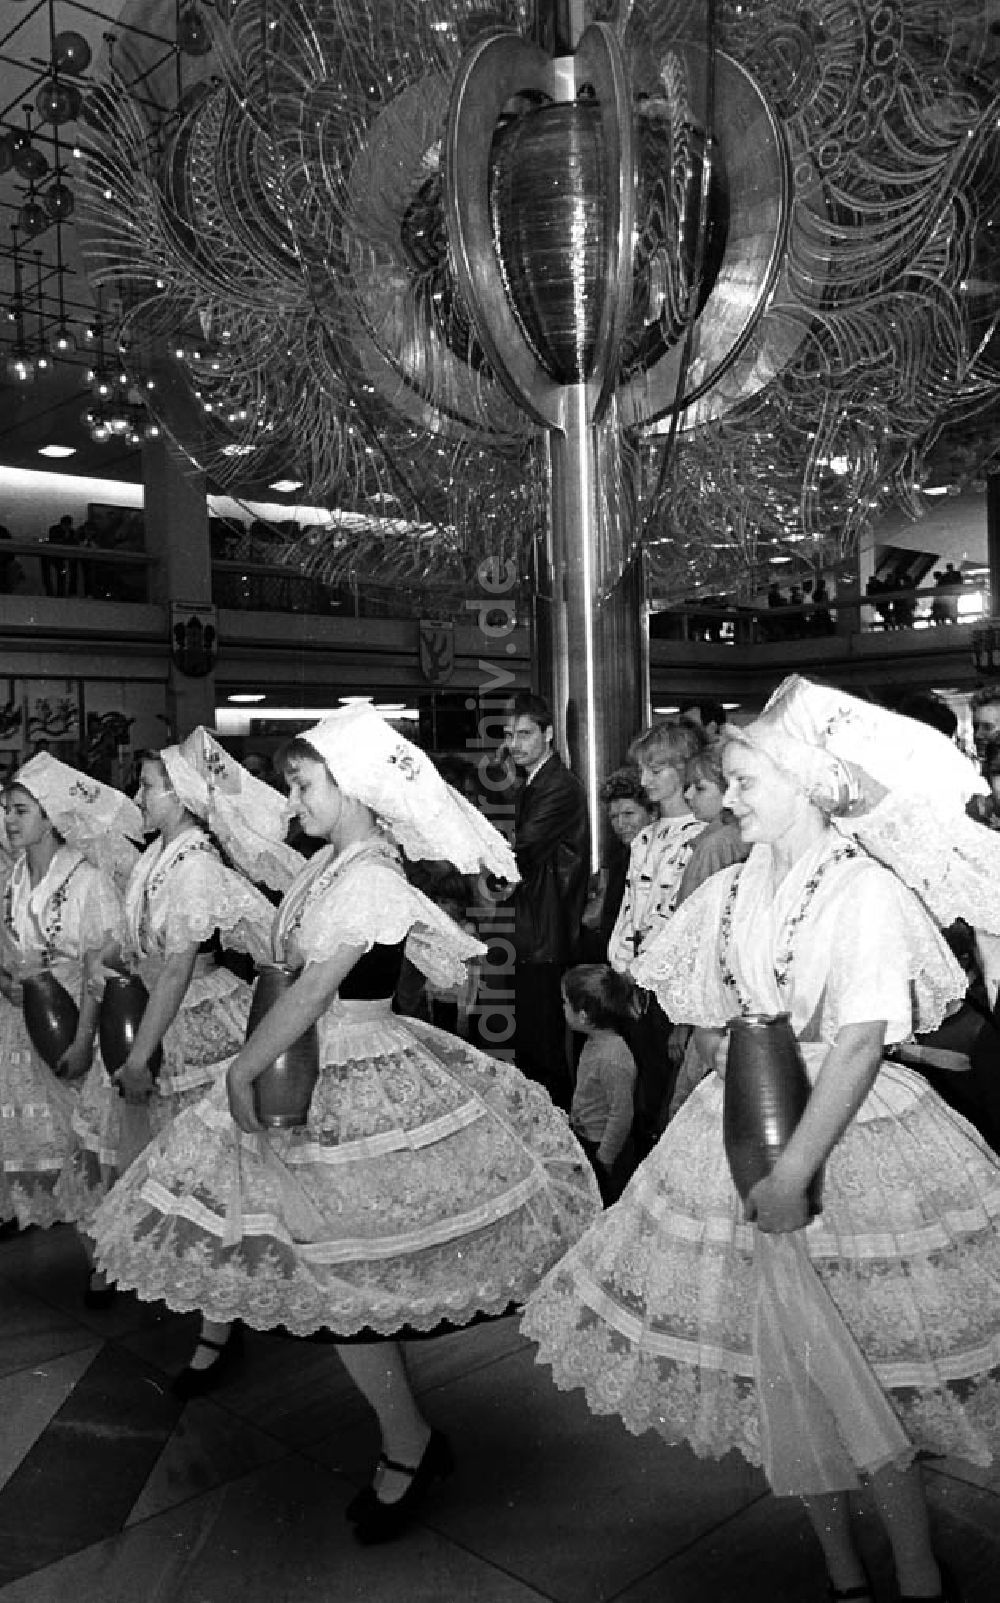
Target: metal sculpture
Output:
[(290, 210)]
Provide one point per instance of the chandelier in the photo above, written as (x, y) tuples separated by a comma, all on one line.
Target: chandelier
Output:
[(268, 211)]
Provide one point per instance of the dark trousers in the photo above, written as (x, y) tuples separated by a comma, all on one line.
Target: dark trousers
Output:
[(648, 1037), (540, 1029), (610, 1182)]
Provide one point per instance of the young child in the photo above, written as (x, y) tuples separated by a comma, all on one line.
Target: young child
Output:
[(597, 1001), (719, 843)]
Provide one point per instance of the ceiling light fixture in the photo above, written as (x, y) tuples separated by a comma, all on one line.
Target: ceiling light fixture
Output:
[(250, 697), (43, 360), (57, 450), (19, 367), (285, 486)]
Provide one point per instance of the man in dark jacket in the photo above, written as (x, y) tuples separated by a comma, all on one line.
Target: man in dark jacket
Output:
[(552, 846)]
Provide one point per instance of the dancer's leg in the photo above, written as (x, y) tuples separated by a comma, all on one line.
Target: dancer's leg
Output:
[(378, 1370), (830, 1517), (899, 1498), (212, 1337)]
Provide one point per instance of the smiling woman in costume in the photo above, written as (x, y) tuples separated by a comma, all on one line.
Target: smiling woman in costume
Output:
[(835, 1349), (69, 836), (216, 829), (431, 1183)]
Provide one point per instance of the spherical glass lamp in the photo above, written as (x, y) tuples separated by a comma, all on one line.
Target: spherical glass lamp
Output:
[(19, 367), (59, 201), (194, 36), (70, 52), (57, 102), (30, 162), (63, 343), (34, 218)]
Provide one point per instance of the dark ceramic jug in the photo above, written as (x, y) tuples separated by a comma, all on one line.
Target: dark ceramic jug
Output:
[(50, 1015), (122, 1006), (766, 1092), (283, 1092)]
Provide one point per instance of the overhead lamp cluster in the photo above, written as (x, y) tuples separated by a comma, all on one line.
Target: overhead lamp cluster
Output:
[(119, 391), (57, 100)]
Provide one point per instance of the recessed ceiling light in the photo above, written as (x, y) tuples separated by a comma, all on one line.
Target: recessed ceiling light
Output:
[(730, 706), (286, 486), (353, 701), (57, 450), (666, 709), (936, 489), (247, 696), (241, 450)]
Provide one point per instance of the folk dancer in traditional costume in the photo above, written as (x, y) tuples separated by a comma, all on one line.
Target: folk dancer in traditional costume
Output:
[(830, 1350), (70, 835), (217, 829), (430, 1184)]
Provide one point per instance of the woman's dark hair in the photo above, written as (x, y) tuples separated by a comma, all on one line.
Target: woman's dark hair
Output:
[(295, 750), (624, 784), (607, 997)]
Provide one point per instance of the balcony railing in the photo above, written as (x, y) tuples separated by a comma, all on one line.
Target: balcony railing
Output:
[(38, 567), (755, 624)]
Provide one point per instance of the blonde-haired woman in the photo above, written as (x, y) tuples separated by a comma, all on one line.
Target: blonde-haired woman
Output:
[(832, 1350)]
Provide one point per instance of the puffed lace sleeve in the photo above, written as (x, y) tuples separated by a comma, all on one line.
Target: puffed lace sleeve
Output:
[(203, 895), (100, 911), (884, 958), (373, 903), (681, 964)]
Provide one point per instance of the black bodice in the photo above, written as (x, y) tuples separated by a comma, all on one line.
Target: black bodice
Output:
[(374, 976)]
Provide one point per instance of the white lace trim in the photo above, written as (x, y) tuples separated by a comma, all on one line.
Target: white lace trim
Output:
[(951, 862), (366, 901)]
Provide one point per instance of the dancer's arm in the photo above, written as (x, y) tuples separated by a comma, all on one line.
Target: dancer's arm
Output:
[(779, 1203), (301, 1005), (134, 1077)]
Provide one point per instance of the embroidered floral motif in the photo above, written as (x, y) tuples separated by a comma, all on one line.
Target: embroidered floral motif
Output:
[(405, 761), (86, 793), (55, 911), (783, 961)]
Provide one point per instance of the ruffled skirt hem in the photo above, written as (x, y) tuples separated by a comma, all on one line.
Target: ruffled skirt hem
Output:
[(431, 1185), (654, 1312)]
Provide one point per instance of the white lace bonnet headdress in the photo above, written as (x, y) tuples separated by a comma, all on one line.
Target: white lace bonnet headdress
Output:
[(893, 784), (248, 818), (97, 819), (375, 765)]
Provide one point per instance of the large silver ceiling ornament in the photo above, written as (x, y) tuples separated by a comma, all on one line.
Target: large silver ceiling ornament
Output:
[(804, 295)]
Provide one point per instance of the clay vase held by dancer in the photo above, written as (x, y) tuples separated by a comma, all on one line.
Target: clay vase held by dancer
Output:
[(122, 1006), (50, 1015), (765, 1095), (283, 1092)]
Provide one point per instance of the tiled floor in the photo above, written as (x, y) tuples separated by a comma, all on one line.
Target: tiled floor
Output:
[(111, 1492)]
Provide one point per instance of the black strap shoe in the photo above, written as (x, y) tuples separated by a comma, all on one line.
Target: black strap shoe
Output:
[(375, 1521), (198, 1382)]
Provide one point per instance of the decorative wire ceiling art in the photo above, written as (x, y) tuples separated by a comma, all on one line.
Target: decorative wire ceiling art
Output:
[(265, 218)]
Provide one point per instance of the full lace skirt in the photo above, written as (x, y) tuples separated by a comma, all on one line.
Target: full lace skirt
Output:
[(431, 1183), (36, 1112), (108, 1134), (654, 1311)]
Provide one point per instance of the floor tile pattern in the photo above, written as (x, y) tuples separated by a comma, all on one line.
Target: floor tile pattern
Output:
[(111, 1491)]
